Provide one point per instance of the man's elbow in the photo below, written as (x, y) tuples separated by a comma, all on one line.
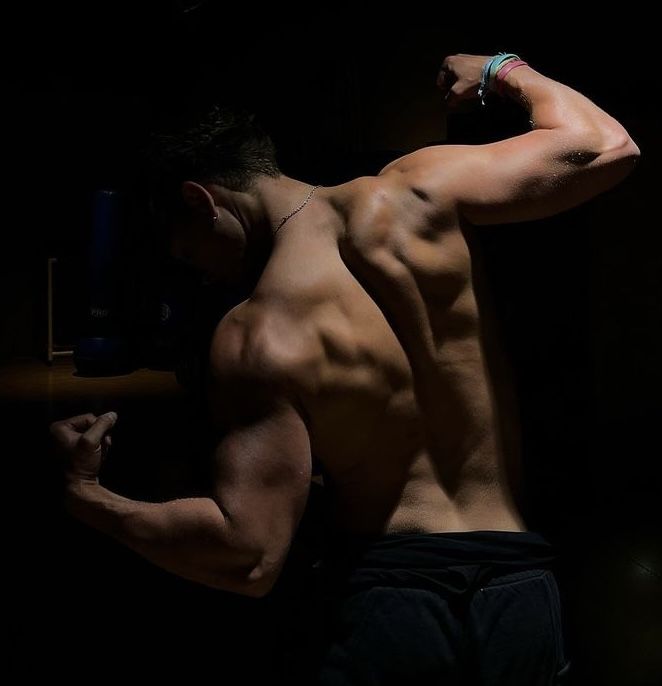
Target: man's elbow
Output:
[(259, 588), (263, 577), (621, 148), (600, 146), (252, 585), (609, 159), (620, 159), (255, 581)]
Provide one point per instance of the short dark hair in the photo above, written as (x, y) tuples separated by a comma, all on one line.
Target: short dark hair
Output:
[(225, 146)]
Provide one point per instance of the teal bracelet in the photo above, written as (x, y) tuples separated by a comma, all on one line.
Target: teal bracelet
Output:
[(490, 69)]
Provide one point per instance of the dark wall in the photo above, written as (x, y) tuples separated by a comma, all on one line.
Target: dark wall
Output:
[(578, 296), (339, 99)]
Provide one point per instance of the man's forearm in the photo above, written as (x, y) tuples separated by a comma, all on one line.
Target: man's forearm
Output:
[(554, 106), (190, 537)]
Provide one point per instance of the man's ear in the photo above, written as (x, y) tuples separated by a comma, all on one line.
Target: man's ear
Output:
[(198, 198)]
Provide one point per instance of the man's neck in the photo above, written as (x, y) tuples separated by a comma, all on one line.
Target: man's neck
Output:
[(260, 211), (261, 208), (279, 197)]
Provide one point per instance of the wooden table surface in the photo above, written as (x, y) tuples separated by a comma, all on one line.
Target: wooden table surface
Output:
[(33, 380)]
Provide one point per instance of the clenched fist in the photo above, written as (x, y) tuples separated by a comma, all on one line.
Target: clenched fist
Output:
[(83, 441), (459, 77)]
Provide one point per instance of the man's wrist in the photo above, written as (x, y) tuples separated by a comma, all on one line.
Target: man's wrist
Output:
[(79, 489), (490, 70), (517, 85), (511, 80), (501, 75), (80, 479)]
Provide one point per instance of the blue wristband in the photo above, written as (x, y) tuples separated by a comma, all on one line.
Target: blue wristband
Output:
[(490, 69)]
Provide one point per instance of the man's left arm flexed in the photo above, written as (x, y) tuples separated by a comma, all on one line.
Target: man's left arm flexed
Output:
[(238, 538)]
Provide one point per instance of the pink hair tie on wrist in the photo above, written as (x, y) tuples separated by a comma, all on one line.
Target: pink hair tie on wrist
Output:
[(504, 71)]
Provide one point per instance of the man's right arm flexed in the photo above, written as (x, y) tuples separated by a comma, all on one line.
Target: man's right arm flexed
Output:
[(574, 152)]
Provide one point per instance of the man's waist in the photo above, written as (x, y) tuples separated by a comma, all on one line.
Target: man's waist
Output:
[(451, 562)]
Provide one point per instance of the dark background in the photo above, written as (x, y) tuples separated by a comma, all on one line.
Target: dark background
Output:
[(578, 298)]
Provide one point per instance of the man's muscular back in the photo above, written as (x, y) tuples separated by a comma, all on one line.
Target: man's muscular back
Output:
[(361, 344), (366, 314)]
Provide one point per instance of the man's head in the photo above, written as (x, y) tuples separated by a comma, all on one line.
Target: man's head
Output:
[(197, 177)]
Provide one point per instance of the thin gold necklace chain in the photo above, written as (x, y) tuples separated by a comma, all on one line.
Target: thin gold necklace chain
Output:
[(296, 209)]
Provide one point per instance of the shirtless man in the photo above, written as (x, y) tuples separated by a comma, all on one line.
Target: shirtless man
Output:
[(361, 345)]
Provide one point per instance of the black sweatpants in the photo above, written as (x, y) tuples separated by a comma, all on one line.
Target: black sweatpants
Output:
[(444, 609)]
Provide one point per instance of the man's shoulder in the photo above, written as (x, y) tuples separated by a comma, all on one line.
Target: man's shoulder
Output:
[(370, 207), (259, 343), (437, 174), (414, 167), (406, 198)]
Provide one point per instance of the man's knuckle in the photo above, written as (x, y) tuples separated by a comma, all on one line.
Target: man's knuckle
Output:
[(56, 429), (86, 443)]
